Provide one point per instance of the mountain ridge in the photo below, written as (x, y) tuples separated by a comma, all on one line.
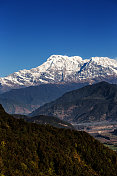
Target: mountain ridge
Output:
[(59, 69), (25, 100), (95, 102)]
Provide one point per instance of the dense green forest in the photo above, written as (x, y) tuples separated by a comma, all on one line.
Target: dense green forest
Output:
[(28, 149)]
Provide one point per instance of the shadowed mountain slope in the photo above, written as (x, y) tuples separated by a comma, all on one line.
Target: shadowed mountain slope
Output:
[(26, 100), (91, 103)]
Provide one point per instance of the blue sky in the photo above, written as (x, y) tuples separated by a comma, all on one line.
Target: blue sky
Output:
[(32, 30)]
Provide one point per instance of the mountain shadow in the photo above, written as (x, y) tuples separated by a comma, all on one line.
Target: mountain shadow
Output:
[(95, 102)]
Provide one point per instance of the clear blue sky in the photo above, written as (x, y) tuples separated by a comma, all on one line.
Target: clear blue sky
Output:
[(32, 30)]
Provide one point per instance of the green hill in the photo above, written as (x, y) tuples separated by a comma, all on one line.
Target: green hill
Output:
[(28, 149), (50, 120), (45, 120)]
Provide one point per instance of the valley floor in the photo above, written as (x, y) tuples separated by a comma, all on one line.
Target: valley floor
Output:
[(102, 131)]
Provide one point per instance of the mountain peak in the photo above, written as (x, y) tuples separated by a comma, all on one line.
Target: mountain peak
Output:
[(62, 68), (64, 57), (104, 60)]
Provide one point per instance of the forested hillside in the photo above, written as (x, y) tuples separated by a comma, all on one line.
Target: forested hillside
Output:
[(28, 149)]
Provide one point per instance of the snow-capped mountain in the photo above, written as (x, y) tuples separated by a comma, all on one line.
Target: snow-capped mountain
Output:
[(60, 68)]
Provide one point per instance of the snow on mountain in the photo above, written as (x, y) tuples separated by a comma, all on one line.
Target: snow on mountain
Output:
[(60, 68), (99, 67)]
